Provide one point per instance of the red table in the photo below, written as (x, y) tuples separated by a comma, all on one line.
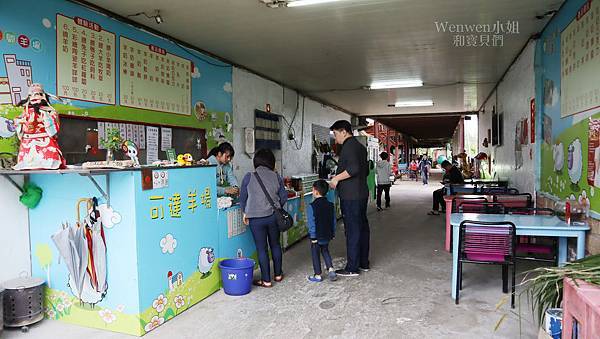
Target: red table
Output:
[(448, 199)]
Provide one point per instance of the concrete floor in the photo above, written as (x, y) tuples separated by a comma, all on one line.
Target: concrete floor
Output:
[(405, 295)]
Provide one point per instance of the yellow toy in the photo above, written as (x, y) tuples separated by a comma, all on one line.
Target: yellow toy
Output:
[(180, 160), (185, 159), (189, 161)]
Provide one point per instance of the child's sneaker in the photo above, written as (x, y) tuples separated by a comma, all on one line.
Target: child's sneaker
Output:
[(314, 278), (331, 274)]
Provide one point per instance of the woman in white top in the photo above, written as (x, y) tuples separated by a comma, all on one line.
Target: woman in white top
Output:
[(384, 171)]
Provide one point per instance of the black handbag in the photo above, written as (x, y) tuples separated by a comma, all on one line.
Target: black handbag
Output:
[(284, 219)]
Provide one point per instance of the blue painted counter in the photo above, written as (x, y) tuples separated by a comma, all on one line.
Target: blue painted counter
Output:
[(161, 244), (160, 247)]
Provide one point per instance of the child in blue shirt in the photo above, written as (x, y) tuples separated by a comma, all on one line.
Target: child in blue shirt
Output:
[(321, 229)]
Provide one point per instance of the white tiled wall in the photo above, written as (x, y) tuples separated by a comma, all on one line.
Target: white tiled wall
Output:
[(512, 98), (14, 227), (252, 92)]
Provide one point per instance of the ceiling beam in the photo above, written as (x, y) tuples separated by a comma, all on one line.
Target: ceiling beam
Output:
[(420, 115)]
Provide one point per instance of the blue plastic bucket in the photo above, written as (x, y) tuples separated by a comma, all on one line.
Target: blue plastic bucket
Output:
[(236, 275)]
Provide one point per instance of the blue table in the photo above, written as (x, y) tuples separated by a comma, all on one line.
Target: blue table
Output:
[(494, 182), (536, 225), (477, 186)]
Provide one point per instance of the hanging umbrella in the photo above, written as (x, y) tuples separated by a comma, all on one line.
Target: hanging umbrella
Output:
[(63, 240), (91, 270), (83, 249), (72, 248), (98, 248), (80, 244)]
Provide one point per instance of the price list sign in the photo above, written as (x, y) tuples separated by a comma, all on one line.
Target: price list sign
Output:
[(580, 61), (151, 78), (85, 60)]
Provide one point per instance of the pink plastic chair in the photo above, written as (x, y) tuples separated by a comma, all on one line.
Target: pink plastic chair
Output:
[(481, 207), (490, 243), (522, 200), (457, 201), (525, 244)]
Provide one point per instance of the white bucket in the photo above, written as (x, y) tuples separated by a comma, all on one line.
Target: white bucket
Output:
[(553, 322)]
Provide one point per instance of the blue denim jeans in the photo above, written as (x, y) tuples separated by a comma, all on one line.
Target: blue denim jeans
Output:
[(315, 248), (266, 234), (357, 231)]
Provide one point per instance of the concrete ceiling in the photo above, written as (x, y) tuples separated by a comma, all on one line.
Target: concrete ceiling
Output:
[(331, 50), (432, 130)]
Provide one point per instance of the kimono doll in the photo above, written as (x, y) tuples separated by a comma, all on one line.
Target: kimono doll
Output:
[(37, 129)]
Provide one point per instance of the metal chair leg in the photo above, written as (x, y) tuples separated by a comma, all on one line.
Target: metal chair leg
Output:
[(460, 277), (504, 278), (458, 282), (514, 273)]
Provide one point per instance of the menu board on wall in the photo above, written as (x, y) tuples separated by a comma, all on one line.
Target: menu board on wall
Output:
[(151, 78), (593, 169), (85, 60), (151, 144), (580, 61), (235, 225)]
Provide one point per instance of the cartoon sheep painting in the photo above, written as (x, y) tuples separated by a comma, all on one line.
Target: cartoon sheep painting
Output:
[(206, 259), (575, 164), (558, 155), (7, 128)]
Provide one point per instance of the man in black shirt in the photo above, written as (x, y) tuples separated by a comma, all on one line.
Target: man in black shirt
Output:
[(452, 176), (351, 185)]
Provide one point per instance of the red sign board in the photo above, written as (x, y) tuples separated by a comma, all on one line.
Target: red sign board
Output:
[(147, 183), (157, 49)]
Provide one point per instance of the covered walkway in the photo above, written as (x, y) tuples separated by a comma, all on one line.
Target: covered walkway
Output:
[(405, 295)]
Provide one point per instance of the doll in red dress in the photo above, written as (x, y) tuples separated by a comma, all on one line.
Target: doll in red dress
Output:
[(37, 129)]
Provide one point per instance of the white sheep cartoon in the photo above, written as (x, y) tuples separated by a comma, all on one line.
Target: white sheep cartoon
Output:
[(575, 163), (206, 259)]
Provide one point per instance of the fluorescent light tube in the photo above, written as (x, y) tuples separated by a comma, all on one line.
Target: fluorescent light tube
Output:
[(396, 84), (307, 2), (414, 103)]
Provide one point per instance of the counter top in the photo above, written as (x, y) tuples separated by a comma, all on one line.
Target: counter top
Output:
[(94, 171)]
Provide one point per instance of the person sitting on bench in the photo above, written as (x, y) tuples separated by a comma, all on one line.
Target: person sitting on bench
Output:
[(452, 176)]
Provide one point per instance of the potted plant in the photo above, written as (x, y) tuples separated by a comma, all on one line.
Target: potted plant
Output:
[(111, 142), (544, 289), (543, 286)]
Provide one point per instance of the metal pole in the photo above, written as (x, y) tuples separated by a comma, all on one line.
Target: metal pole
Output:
[(14, 183)]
